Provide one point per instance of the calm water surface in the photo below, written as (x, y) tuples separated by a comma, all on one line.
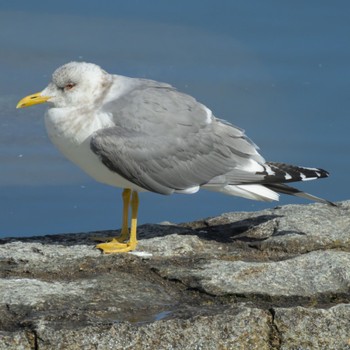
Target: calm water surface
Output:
[(280, 71)]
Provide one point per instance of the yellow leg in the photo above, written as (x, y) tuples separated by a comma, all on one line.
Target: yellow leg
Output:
[(125, 225), (116, 245), (125, 220), (133, 228)]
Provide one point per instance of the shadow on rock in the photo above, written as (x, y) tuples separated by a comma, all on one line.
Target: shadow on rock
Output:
[(247, 230)]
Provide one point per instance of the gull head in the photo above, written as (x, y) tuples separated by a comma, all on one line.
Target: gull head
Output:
[(75, 84)]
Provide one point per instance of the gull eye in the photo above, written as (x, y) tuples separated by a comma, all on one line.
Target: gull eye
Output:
[(69, 86)]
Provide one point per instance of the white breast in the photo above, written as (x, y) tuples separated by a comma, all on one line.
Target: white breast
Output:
[(70, 131)]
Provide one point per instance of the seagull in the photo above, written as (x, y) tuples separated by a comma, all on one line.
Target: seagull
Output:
[(144, 135)]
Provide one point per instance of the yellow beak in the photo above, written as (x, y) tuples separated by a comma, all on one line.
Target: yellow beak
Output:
[(32, 100)]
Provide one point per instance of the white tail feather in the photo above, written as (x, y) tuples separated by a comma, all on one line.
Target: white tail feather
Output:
[(256, 192)]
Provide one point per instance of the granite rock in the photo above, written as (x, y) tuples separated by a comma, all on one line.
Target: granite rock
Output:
[(274, 279)]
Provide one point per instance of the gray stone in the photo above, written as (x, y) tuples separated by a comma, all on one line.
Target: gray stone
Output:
[(308, 275), (274, 279), (312, 329), (246, 329), (16, 341), (292, 229)]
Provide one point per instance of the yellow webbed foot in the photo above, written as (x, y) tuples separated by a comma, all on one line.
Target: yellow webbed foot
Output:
[(114, 246), (118, 245)]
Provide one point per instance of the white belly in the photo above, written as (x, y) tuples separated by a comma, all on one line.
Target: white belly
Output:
[(72, 138)]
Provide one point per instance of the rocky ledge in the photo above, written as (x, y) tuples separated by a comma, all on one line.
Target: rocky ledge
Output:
[(274, 279)]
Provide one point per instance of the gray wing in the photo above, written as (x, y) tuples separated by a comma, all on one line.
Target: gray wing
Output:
[(164, 140)]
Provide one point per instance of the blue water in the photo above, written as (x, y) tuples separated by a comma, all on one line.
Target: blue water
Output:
[(279, 70)]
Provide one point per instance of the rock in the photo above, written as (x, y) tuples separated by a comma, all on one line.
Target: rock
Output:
[(310, 275), (15, 341), (302, 328), (274, 279), (215, 332)]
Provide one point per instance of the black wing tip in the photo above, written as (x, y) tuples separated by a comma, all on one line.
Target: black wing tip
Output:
[(293, 173), (324, 173)]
